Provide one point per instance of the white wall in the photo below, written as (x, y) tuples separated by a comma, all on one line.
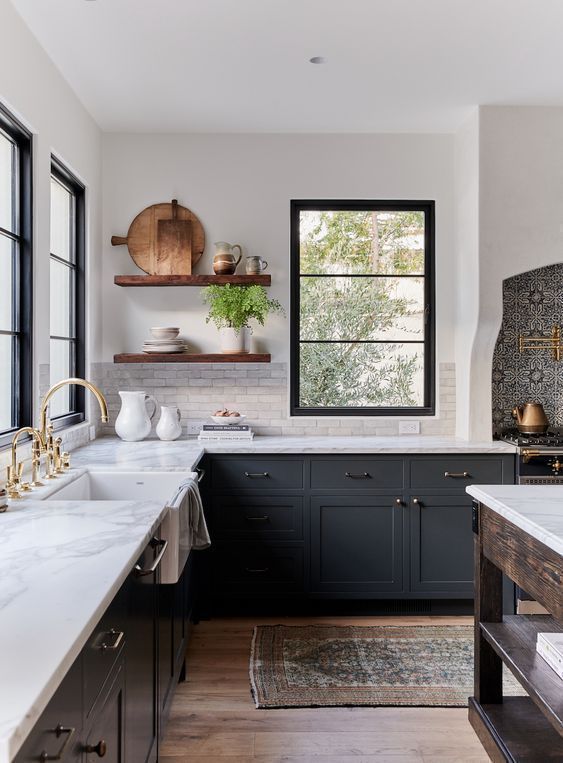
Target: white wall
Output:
[(240, 187), (520, 228), (33, 89)]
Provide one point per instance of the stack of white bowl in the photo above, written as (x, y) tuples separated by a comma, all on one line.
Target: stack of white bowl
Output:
[(164, 340)]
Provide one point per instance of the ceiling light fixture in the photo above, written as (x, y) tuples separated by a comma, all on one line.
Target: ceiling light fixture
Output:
[(317, 60)]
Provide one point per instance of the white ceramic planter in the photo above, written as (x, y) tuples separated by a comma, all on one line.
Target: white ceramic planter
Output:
[(233, 341)]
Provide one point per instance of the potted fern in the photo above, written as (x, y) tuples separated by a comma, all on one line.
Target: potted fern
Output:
[(231, 308)]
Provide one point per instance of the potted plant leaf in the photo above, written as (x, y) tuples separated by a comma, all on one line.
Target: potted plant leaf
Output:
[(231, 308)]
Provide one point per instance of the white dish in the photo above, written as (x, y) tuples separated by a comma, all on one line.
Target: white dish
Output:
[(151, 342), (228, 419), (164, 350), (165, 332)]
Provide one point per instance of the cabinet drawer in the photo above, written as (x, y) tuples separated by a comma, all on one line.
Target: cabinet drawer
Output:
[(455, 472), (258, 568), (103, 648), (58, 730), (257, 474), (268, 517), (357, 473)]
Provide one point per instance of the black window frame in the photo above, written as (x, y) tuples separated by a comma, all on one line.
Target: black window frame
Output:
[(61, 174), (22, 285), (428, 208)]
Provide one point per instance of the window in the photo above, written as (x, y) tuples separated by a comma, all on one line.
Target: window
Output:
[(67, 295), (362, 328), (15, 277)]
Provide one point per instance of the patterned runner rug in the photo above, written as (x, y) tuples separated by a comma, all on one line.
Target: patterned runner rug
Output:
[(327, 666)]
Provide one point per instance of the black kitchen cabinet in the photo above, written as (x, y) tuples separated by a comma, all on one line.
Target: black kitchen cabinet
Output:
[(114, 700), (345, 526), (441, 544), (357, 544)]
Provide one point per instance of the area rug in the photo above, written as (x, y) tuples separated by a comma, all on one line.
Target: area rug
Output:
[(331, 666)]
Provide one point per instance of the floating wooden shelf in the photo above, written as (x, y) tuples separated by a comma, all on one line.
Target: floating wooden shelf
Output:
[(193, 280), (191, 357)]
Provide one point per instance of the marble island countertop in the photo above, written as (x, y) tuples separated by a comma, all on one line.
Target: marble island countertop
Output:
[(61, 565), (536, 509)]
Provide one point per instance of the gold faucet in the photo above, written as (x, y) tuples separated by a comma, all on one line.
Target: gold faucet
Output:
[(55, 459), (15, 470)]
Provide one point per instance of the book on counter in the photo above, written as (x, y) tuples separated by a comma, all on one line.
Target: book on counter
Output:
[(226, 433), (550, 647), (225, 428)]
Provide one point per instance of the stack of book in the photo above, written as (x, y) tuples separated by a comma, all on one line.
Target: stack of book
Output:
[(226, 432), (550, 647)]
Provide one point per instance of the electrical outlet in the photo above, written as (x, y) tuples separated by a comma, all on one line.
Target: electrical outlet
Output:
[(409, 427), (194, 426)]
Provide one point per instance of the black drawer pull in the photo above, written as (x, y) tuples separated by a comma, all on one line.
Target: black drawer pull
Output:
[(112, 640), (363, 476), (265, 518), (457, 475), (257, 571), (59, 731), (256, 475), (100, 749)]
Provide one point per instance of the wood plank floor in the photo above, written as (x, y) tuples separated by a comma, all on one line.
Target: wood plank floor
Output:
[(213, 717)]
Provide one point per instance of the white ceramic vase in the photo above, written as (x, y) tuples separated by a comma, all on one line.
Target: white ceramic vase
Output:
[(233, 341), (169, 426), (133, 422)]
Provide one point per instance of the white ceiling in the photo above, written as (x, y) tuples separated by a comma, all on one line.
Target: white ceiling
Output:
[(242, 65)]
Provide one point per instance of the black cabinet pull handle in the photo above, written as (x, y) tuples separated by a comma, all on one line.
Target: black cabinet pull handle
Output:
[(100, 749), (256, 474), (114, 639), (363, 476), (265, 518), (457, 475), (258, 570), (59, 731), (156, 542)]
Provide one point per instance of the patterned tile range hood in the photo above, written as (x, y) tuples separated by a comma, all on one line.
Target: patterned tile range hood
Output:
[(532, 305)]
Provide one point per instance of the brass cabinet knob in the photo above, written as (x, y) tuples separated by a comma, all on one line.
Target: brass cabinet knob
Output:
[(100, 749), (399, 501), (417, 501)]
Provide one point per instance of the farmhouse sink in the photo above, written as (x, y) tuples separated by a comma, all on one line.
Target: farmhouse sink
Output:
[(160, 487)]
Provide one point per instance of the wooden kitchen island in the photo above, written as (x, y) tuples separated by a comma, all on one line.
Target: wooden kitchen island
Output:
[(519, 531)]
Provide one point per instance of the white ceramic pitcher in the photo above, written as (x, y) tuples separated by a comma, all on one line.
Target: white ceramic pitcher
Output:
[(169, 427), (133, 422)]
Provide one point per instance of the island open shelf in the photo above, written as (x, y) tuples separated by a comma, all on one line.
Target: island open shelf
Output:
[(192, 280), (192, 357)]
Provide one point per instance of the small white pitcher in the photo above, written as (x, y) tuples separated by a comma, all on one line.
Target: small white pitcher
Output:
[(133, 422), (169, 426)]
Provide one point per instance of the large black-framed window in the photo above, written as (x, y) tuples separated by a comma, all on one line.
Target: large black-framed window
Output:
[(362, 308), (67, 293), (16, 289)]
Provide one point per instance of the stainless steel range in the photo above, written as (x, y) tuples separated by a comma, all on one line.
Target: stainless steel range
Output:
[(540, 457)]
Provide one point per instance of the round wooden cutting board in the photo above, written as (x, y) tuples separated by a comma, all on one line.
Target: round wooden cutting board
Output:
[(143, 240)]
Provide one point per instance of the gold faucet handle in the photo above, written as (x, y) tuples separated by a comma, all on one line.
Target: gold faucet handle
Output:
[(57, 455), (65, 457), (11, 485)]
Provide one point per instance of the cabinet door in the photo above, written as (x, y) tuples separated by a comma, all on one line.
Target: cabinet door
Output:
[(141, 711), (107, 735), (357, 544), (441, 544)]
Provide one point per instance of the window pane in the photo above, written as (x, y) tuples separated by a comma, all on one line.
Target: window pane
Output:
[(6, 373), (362, 308), (6, 281), (361, 375), (61, 221), (60, 369), (61, 299), (7, 169), (362, 241)]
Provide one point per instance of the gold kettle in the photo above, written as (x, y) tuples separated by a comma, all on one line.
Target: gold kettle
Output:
[(530, 418)]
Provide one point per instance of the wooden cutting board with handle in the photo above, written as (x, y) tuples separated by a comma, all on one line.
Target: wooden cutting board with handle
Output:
[(164, 239)]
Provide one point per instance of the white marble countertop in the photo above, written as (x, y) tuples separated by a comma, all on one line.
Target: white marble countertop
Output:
[(185, 454), (536, 509), (61, 565), (63, 562)]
